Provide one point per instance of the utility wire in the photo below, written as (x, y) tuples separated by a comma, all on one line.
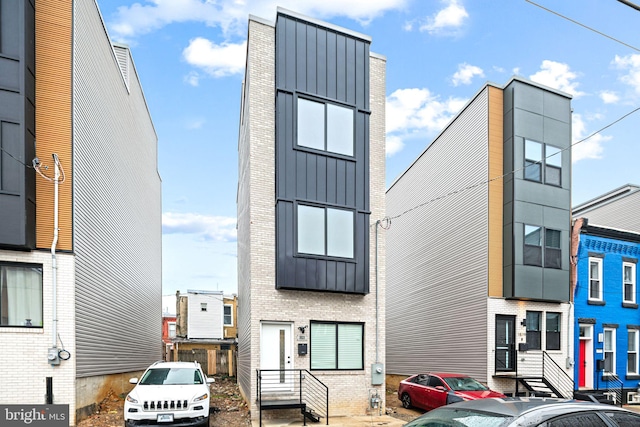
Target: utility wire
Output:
[(15, 158), (585, 26), (387, 220)]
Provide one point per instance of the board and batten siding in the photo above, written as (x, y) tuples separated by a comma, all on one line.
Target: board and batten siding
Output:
[(117, 209), (437, 260)]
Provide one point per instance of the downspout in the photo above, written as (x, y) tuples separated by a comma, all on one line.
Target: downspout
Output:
[(573, 280), (377, 225), (54, 266)]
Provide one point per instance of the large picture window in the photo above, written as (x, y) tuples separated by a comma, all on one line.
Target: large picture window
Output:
[(325, 231), (543, 163), (337, 346), (326, 127), (629, 282), (533, 247), (595, 279), (20, 295)]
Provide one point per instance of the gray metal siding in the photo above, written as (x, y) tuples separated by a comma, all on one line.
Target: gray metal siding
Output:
[(117, 210), (17, 124), (544, 116), (330, 66), (621, 213), (437, 261)]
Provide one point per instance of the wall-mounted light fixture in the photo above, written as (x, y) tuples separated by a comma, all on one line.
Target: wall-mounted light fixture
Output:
[(302, 328), (524, 322)]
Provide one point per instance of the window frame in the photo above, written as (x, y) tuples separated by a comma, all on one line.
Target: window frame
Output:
[(224, 315), (631, 283), (203, 307), (326, 127), (591, 280), (612, 350), (172, 329), (327, 233), (547, 331), (543, 165), (337, 346), (534, 332), (632, 348), (542, 249), (4, 291)]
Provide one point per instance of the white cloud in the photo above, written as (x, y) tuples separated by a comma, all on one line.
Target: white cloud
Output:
[(447, 20), (195, 123), (393, 145), (231, 15), (631, 65), (414, 112), (216, 60), (211, 228), (465, 74), (558, 76), (591, 148), (609, 97), (192, 79)]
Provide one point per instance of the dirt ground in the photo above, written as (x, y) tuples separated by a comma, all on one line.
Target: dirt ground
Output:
[(228, 408)]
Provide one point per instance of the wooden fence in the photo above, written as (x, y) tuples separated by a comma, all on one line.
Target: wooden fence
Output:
[(213, 362)]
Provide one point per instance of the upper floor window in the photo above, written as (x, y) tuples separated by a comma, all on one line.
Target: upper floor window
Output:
[(326, 127), (325, 231), (595, 279), (228, 315), (171, 329), (337, 345), (629, 282), (203, 306), (553, 331), (543, 163), (20, 295), (533, 238)]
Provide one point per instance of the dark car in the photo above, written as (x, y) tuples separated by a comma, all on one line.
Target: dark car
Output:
[(435, 389), (527, 412)]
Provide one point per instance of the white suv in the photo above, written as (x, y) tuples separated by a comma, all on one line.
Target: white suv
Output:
[(169, 393)]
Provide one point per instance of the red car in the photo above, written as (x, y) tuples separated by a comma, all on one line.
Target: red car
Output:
[(435, 389)]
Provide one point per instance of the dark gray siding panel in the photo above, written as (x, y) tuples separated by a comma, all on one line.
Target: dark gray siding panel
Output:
[(17, 124), (323, 64)]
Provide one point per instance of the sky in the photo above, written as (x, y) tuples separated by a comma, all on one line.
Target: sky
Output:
[(190, 57)]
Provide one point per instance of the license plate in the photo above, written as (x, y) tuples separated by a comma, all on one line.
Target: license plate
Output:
[(165, 418)]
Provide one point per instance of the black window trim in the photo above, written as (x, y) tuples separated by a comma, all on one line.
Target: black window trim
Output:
[(299, 254), (336, 323), (542, 247), (324, 101)]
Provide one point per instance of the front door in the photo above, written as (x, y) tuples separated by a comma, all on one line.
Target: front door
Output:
[(276, 354), (505, 343), (585, 357)]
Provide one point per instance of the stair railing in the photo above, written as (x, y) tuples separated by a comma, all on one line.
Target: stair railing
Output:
[(614, 387), (562, 384)]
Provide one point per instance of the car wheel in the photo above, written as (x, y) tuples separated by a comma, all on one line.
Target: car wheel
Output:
[(406, 400)]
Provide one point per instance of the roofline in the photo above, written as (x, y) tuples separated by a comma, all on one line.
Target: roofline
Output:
[(610, 232), (605, 198), (469, 102), (296, 15)]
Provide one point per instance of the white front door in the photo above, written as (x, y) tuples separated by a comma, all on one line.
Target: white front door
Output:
[(276, 356)]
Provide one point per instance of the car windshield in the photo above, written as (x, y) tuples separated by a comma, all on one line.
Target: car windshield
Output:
[(447, 417), (464, 384), (171, 376)]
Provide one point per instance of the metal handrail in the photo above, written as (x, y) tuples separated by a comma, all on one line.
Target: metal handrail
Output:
[(294, 384), (566, 385), (617, 390)]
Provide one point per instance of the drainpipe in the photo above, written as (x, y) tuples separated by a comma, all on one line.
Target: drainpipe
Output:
[(54, 266), (377, 225)]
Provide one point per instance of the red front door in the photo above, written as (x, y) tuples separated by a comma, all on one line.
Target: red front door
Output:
[(582, 362)]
